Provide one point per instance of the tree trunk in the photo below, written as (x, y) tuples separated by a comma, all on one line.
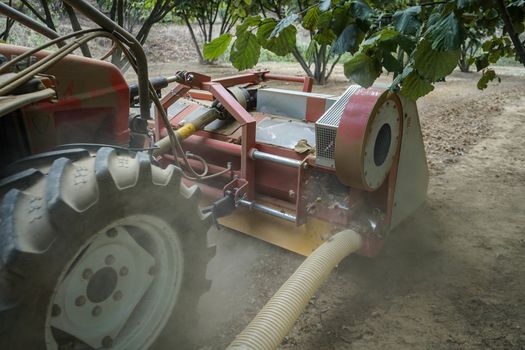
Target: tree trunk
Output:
[(463, 64), (194, 39), (49, 18), (76, 27), (302, 62), (520, 49)]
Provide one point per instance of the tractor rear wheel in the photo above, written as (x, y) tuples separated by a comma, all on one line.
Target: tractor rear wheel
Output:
[(103, 251)]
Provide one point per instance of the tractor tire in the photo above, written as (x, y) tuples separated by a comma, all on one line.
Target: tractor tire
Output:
[(99, 251)]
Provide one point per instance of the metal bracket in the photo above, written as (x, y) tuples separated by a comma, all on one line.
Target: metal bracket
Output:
[(237, 188)]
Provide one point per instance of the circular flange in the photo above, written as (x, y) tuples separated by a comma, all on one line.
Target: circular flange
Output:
[(109, 290), (367, 138)]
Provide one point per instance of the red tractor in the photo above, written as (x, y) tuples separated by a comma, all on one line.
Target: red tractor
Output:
[(102, 240)]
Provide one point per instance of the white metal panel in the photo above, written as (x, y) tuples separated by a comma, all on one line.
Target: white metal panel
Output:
[(286, 103), (412, 172)]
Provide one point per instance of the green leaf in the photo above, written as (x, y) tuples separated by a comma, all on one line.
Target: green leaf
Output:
[(488, 76), (390, 63), (284, 43), (285, 22), (482, 62), (325, 20), (385, 34), (446, 34), (252, 21), (281, 45), (245, 51), (406, 43), (341, 20), (218, 46), (325, 5), (362, 69), (310, 51), (407, 21), (346, 42), (311, 18), (406, 72), (361, 10), (414, 86), (265, 29), (325, 37), (434, 65)]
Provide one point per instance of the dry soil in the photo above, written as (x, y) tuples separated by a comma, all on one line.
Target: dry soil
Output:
[(452, 276)]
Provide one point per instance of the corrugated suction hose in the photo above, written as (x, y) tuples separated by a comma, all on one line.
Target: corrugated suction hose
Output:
[(276, 319)]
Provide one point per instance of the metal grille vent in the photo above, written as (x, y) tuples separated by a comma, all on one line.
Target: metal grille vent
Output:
[(326, 129)]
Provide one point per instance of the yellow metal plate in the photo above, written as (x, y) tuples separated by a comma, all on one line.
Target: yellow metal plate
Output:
[(300, 239)]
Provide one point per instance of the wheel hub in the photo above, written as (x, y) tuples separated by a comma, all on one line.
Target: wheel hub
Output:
[(98, 295)]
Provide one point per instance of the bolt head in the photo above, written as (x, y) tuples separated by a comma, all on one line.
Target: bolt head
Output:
[(117, 295), (97, 310), (107, 342), (87, 273), (110, 259), (55, 310), (81, 300), (112, 233), (123, 271)]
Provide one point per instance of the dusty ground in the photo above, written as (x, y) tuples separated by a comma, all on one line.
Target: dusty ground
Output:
[(451, 277)]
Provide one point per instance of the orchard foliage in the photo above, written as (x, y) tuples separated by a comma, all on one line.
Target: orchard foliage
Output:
[(419, 43), (203, 16)]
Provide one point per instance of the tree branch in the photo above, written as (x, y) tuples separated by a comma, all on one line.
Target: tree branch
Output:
[(520, 49), (75, 25)]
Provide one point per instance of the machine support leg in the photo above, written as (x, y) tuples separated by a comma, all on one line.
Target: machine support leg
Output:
[(276, 319)]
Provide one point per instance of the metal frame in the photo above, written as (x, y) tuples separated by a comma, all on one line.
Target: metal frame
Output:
[(258, 193)]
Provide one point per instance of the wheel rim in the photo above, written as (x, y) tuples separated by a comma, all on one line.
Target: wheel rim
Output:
[(120, 288)]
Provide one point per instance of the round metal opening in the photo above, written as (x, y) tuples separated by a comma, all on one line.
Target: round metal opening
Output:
[(382, 144), (102, 285)]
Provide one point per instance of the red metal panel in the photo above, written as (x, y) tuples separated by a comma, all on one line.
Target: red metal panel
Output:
[(230, 103), (307, 81), (315, 108), (248, 164), (200, 95), (247, 78), (308, 84), (92, 89), (248, 133)]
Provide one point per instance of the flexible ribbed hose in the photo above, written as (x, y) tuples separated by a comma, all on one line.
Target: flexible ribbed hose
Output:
[(276, 319)]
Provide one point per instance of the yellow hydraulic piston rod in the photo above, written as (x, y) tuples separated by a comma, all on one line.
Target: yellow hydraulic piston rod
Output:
[(267, 330), (188, 129)]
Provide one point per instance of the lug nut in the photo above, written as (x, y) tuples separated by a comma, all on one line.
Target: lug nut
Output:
[(112, 233), (110, 259), (87, 273), (107, 342), (123, 271), (117, 295), (55, 310), (97, 310), (81, 300)]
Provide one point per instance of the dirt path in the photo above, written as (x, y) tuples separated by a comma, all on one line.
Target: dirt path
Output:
[(450, 277)]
